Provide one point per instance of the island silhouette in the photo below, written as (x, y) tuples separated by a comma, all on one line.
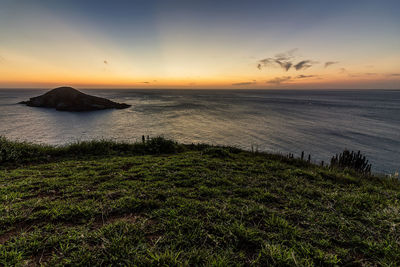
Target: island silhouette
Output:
[(70, 99)]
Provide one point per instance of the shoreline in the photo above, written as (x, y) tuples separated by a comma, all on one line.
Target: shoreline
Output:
[(28, 152)]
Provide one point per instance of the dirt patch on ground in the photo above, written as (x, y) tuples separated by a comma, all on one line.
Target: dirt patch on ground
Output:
[(17, 230)]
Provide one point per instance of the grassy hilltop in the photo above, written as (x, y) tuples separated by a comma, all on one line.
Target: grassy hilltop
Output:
[(162, 203)]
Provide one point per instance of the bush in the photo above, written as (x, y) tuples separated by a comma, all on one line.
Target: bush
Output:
[(23, 152), (12, 151), (96, 147), (160, 145), (353, 161)]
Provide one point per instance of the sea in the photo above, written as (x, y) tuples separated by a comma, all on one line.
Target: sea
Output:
[(321, 123)]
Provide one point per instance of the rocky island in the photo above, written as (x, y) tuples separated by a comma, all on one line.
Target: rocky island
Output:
[(70, 99)]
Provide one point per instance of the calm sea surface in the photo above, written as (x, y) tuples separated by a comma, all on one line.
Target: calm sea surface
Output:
[(321, 123)]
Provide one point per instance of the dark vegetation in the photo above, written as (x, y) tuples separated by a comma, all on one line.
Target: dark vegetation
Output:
[(70, 99), (353, 161), (12, 152), (157, 202)]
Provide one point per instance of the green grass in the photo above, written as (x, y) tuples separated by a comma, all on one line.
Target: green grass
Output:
[(163, 203)]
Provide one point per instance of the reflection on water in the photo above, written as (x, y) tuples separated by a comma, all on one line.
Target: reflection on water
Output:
[(319, 122)]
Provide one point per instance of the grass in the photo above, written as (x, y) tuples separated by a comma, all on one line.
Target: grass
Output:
[(162, 203)]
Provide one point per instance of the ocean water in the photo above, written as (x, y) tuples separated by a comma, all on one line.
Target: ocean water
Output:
[(319, 122)]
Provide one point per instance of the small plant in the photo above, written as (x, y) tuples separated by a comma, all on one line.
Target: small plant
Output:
[(160, 145), (353, 161), (217, 152), (254, 148)]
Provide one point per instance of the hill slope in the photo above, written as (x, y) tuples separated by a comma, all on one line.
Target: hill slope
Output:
[(70, 99), (209, 206)]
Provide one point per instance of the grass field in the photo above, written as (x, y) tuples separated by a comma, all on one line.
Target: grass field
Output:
[(162, 203)]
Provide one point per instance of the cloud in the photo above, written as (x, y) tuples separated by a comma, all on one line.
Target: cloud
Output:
[(105, 62), (304, 64), (305, 76), (286, 55), (244, 83), (283, 79), (394, 75), (342, 70), (354, 75), (284, 64), (279, 80), (285, 61), (147, 82), (330, 63)]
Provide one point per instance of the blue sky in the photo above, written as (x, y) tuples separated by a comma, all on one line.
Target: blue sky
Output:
[(199, 43)]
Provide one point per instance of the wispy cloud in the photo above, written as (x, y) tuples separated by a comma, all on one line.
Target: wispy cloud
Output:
[(305, 76), (287, 55), (304, 64), (148, 82), (369, 74), (244, 83), (284, 79), (284, 64), (285, 61), (279, 80), (355, 75), (330, 63)]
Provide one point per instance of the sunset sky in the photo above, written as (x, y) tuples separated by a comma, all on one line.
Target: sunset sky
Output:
[(200, 44)]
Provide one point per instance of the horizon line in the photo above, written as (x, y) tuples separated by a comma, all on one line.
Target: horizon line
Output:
[(231, 89)]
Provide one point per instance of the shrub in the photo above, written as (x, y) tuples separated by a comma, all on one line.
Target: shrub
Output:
[(95, 147), (12, 151), (24, 152), (351, 160), (160, 145)]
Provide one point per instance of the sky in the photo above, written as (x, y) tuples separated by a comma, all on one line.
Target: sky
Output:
[(285, 44)]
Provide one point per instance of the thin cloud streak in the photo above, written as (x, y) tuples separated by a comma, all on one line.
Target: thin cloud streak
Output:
[(279, 80), (305, 64), (330, 63), (305, 76), (244, 83)]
